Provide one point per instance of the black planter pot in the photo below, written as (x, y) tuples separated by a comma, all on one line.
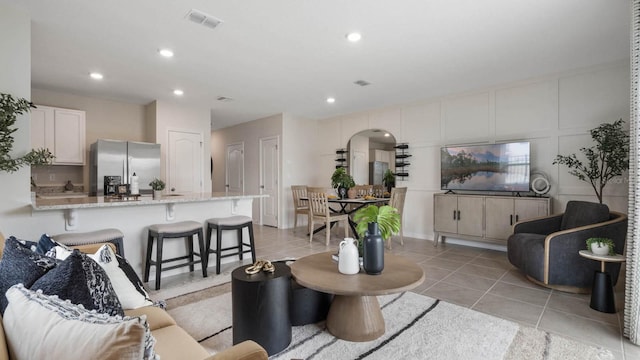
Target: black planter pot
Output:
[(342, 192), (373, 250)]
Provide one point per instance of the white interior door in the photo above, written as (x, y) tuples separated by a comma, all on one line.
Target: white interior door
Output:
[(269, 170), (359, 170), (234, 168), (185, 162)]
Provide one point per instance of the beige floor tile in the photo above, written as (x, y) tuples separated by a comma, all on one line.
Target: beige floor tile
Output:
[(483, 271), (426, 284), (505, 308), (492, 263), (454, 294), (516, 277), (444, 264), (524, 294), (631, 351), (579, 306), (469, 281), (432, 272), (581, 329), (453, 256), (493, 254)]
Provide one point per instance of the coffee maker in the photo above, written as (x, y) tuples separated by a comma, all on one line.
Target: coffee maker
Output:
[(111, 184)]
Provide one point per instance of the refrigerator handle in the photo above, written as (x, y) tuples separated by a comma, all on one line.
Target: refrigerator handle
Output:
[(124, 172), (129, 170)]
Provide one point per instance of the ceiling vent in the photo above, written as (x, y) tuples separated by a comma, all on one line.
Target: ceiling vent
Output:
[(224, 98), (201, 18), (362, 83)]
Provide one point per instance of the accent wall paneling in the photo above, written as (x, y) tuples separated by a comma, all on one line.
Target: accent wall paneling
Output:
[(541, 101), (421, 123), (467, 117), (388, 120)]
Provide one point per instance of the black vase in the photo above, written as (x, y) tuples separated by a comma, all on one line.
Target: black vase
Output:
[(342, 192), (373, 250)]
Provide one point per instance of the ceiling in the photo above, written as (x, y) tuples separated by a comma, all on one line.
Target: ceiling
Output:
[(290, 55)]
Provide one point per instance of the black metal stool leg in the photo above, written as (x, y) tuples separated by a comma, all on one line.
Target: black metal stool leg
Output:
[(204, 253), (240, 246), (252, 242), (159, 261), (218, 247), (147, 264), (190, 252)]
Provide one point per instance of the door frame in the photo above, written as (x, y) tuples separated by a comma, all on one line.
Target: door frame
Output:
[(261, 178)]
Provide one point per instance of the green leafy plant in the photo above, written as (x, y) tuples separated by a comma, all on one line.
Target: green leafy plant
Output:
[(386, 216), (388, 179), (157, 184), (10, 108), (601, 242), (608, 158), (340, 179)]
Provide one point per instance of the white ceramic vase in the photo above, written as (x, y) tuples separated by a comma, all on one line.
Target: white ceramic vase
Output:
[(348, 257)]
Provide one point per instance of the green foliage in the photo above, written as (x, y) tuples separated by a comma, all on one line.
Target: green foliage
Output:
[(386, 216), (340, 178), (10, 108), (388, 179), (608, 158), (157, 184), (601, 241)]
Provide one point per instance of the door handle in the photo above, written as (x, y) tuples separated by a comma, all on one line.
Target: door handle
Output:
[(261, 186), (517, 218), (454, 215), (511, 219), (458, 215)]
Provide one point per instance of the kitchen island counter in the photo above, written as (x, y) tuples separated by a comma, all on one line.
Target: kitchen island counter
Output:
[(43, 204)]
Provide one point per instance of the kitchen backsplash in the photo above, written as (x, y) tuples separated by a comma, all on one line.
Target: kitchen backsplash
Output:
[(53, 178)]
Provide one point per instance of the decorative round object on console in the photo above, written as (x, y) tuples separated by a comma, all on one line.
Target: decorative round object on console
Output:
[(539, 183)]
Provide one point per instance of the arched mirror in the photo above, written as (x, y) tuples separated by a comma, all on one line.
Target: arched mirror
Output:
[(371, 153)]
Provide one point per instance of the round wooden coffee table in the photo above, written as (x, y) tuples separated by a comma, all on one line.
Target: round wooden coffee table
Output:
[(355, 313)]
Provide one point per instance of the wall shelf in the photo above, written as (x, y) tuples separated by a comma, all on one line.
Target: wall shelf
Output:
[(401, 164), (342, 158)]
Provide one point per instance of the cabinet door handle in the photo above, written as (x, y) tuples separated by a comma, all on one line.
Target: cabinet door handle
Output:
[(511, 219), (454, 215), (517, 218), (458, 215)]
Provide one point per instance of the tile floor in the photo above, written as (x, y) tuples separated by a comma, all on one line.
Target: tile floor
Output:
[(480, 279)]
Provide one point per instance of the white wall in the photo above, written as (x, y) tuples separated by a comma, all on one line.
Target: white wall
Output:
[(250, 134), (359, 159), (554, 113), (15, 79)]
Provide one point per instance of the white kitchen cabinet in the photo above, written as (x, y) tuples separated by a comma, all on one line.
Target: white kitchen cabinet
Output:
[(62, 131), (483, 217)]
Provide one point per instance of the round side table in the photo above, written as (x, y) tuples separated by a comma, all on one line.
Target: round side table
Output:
[(602, 292), (260, 307)]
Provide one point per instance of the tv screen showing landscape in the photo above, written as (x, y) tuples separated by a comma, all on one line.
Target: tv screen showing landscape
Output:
[(491, 167)]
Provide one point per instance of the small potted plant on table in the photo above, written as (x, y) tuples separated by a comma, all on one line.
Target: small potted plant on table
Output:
[(374, 226), (342, 182), (601, 246), (157, 185)]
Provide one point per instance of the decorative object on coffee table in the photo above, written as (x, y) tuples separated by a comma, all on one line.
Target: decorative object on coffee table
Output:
[(373, 250), (348, 262), (387, 222)]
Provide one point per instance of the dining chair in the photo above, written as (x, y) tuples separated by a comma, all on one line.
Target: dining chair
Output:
[(300, 207), (397, 201), (319, 212), (364, 190), (378, 190)]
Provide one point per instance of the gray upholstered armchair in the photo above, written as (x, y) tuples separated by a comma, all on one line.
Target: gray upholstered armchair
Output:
[(546, 249)]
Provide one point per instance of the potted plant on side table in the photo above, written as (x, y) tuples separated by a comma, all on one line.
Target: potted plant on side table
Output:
[(157, 185), (601, 246), (374, 226)]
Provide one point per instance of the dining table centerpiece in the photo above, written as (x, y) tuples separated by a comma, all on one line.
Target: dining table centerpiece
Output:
[(342, 182)]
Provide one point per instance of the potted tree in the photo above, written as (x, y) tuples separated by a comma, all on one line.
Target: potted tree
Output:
[(389, 180), (157, 185), (10, 108), (608, 158), (341, 181)]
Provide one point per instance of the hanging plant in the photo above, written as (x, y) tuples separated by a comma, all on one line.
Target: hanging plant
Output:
[(10, 108)]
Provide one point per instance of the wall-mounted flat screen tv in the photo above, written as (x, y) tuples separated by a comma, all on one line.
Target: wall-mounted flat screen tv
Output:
[(491, 167)]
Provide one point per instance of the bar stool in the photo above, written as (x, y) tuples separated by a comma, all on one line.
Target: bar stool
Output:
[(181, 229), (114, 236), (238, 223)]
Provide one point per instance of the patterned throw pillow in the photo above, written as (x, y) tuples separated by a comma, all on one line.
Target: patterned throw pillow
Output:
[(20, 265), (39, 326), (81, 280)]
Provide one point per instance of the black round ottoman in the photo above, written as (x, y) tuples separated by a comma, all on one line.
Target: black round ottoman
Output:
[(308, 306), (260, 307)]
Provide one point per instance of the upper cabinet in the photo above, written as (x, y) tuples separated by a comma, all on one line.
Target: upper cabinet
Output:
[(62, 131)]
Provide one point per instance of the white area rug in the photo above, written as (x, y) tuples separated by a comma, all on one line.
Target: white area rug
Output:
[(417, 327)]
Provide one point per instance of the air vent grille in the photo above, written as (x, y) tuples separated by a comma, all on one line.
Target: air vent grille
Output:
[(224, 98), (362, 83), (201, 18)]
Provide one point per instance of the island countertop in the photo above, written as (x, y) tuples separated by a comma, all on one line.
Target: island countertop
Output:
[(41, 204)]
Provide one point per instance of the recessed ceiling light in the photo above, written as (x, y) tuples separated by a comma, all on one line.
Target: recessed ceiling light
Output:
[(166, 53), (96, 76), (178, 92), (387, 134), (331, 100), (354, 37)]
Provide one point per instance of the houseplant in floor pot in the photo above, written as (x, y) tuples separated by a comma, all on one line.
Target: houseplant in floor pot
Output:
[(342, 182), (374, 226), (157, 185), (388, 180), (608, 158), (601, 246)]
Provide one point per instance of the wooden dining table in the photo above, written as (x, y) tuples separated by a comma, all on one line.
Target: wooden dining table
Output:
[(344, 208)]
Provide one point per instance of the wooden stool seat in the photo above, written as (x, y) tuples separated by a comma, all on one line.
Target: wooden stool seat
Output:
[(183, 229), (114, 236), (238, 223)]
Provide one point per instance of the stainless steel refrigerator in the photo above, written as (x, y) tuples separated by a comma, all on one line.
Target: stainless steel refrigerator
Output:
[(376, 171), (123, 158)]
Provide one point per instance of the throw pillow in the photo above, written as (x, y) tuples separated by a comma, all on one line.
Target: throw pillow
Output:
[(20, 265), (38, 326), (128, 293), (124, 279), (81, 280)]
